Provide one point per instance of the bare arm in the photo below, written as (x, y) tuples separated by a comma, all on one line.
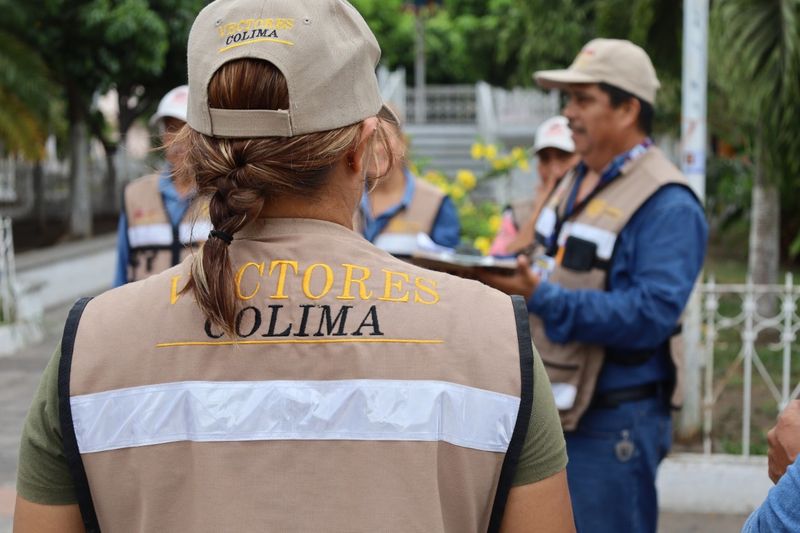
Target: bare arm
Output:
[(32, 517), (543, 507), (784, 441)]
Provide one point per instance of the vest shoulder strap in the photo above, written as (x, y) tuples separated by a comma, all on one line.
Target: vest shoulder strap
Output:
[(647, 175), (521, 428), (71, 451), (425, 205)]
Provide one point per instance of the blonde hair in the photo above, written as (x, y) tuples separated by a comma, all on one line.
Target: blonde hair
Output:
[(240, 175)]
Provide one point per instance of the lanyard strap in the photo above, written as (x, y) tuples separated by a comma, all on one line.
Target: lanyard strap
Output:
[(611, 172)]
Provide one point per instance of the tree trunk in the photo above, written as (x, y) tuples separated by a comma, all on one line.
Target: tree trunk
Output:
[(764, 250), (123, 169), (111, 174), (80, 220), (39, 202)]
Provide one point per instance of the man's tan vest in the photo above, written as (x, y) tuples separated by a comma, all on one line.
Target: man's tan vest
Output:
[(585, 247), (363, 394), (399, 237), (155, 244)]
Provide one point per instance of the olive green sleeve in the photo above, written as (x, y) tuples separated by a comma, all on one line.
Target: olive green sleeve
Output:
[(545, 451), (43, 474)]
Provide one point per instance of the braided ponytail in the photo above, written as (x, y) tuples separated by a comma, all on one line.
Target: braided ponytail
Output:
[(240, 175)]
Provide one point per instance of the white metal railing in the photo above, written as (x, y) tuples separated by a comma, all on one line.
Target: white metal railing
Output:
[(8, 180), (444, 104), (740, 335), (524, 107), (393, 89), (493, 109), (8, 283)]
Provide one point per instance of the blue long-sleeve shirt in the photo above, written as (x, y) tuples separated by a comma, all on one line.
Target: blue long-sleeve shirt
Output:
[(175, 206), (780, 512), (446, 229), (658, 256)]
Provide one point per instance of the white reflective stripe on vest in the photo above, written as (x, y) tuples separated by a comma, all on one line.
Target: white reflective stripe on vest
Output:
[(546, 223), (194, 232), (207, 411), (149, 235), (397, 243), (604, 239)]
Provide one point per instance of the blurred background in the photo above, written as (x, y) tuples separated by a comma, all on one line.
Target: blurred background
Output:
[(80, 78)]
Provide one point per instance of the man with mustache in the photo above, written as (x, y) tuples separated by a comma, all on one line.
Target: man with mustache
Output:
[(620, 243)]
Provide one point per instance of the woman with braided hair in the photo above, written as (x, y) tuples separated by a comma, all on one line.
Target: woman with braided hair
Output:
[(290, 376)]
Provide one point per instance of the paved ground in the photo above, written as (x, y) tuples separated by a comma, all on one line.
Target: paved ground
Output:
[(19, 376)]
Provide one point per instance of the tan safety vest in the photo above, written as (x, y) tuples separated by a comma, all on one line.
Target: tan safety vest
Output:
[(364, 394), (154, 243), (399, 237), (585, 247)]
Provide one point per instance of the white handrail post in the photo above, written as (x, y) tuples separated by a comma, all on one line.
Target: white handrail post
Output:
[(420, 111), (487, 119), (711, 307), (748, 345), (787, 338), (7, 271)]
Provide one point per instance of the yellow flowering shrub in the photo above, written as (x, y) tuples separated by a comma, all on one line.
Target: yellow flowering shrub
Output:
[(501, 162), (466, 179), (479, 221), (483, 244)]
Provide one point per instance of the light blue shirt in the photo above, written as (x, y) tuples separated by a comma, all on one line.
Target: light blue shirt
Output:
[(780, 512), (174, 205), (657, 258)]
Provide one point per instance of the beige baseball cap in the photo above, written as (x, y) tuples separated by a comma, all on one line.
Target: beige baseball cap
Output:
[(613, 61), (324, 48)]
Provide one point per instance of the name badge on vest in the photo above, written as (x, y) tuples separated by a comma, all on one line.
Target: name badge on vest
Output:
[(546, 223), (543, 266)]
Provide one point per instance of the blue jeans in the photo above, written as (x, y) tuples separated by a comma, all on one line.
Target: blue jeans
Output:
[(613, 457)]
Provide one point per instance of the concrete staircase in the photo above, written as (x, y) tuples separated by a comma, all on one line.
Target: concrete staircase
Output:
[(444, 147)]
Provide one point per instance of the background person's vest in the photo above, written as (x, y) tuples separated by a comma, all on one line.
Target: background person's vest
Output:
[(155, 244), (399, 237), (365, 394), (583, 253)]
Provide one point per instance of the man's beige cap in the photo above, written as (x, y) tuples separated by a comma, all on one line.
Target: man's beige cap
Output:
[(612, 61), (324, 48)]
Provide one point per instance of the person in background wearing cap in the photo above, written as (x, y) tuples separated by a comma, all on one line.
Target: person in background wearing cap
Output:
[(620, 243), (780, 512), (401, 206), (555, 155), (290, 376), (159, 223)]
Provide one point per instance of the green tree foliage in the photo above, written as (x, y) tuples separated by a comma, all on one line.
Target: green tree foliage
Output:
[(26, 99), (393, 24), (140, 90), (756, 47), (27, 94), (90, 46), (505, 41)]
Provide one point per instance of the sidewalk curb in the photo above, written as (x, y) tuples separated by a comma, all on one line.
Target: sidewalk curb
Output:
[(724, 484)]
